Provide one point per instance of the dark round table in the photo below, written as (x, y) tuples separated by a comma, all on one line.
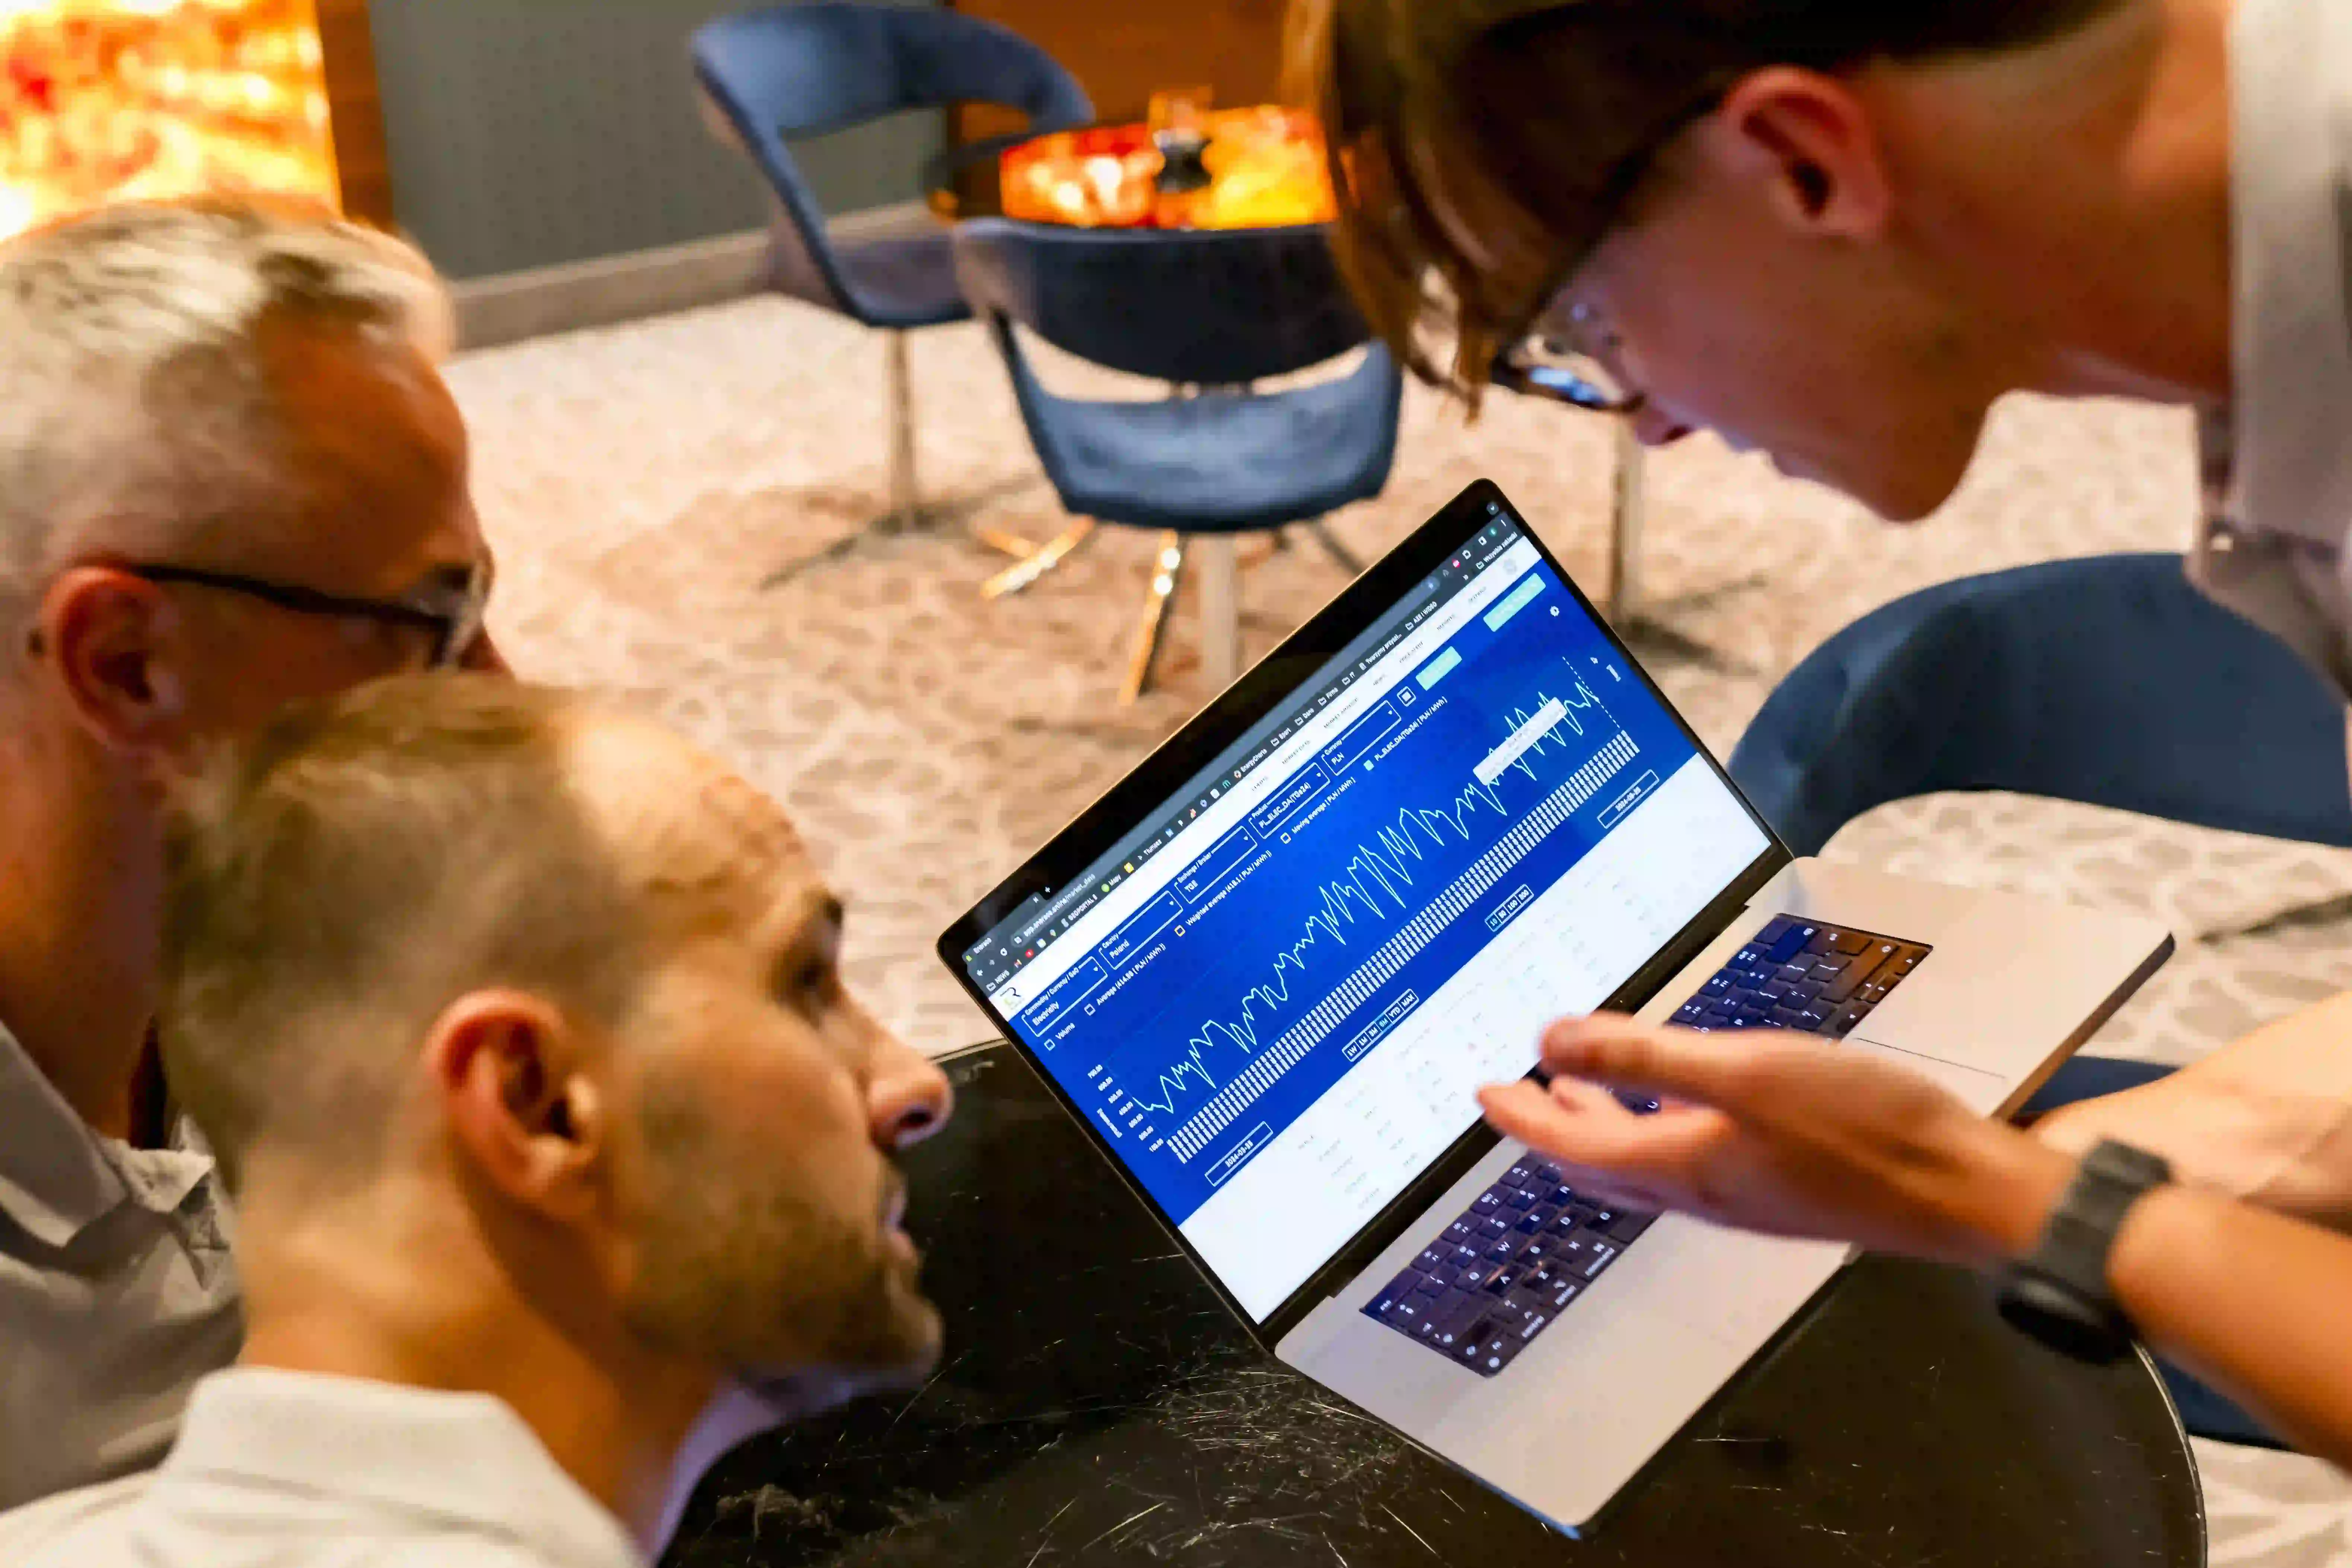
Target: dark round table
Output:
[(1096, 1405)]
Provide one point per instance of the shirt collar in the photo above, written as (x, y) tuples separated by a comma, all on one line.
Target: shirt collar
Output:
[(57, 1176), (2291, 200), (462, 1461)]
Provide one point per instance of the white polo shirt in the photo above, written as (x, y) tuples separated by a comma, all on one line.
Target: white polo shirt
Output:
[(2278, 464), (115, 1289), (286, 1470)]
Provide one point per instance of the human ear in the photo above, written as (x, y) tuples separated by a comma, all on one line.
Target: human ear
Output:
[(510, 1073), (1805, 140), (119, 648)]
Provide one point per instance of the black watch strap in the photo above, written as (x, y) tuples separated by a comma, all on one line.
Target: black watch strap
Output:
[(2060, 1295)]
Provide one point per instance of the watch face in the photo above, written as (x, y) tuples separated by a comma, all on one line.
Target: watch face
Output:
[(2060, 1295), (2122, 1163), (2059, 1317)]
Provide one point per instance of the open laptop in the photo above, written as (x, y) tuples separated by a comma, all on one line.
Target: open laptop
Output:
[(1268, 970)]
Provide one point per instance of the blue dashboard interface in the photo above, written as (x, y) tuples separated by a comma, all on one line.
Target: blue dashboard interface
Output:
[(1278, 994)]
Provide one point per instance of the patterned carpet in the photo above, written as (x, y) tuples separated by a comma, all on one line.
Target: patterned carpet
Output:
[(645, 486)]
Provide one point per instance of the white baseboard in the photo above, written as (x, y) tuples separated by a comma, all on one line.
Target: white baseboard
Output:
[(513, 306)]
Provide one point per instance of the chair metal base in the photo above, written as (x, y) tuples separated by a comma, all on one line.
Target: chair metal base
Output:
[(1629, 506), (1654, 640), (1348, 561), (907, 513), (1035, 560), (1168, 574), (1221, 561)]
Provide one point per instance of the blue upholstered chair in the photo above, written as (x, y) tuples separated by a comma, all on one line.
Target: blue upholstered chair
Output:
[(799, 70), (1210, 313)]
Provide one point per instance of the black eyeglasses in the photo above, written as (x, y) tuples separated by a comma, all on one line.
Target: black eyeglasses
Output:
[(1569, 362), (1570, 354), (449, 608)]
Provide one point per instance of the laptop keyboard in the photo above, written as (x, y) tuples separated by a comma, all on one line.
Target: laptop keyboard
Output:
[(1803, 975), (1498, 1276), (1530, 1244)]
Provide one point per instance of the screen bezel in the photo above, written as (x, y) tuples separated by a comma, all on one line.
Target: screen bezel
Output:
[(1146, 790)]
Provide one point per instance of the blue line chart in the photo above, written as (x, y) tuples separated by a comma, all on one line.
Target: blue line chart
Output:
[(1372, 888)]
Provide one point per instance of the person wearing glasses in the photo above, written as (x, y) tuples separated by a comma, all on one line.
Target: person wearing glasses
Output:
[(1837, 233), (230, 476)]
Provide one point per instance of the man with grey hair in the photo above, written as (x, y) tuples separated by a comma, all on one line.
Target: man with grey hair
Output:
[(230, 476), (553, 1133)]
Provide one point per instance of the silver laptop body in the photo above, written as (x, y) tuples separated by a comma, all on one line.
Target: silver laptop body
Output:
[(1269, 969)]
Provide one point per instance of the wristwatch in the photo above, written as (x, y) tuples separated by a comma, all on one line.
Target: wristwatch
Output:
[(2059, 1294)]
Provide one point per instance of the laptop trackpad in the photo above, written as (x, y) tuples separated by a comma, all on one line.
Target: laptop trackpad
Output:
[(1981, 1091)]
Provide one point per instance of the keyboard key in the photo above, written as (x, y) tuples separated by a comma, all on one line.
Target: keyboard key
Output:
[(1626, 1226), (1850, 943), (1496, 1350), (1521, 1201), (1853, 977), (1789, 944), (1433, 1257), (1429, 1286), (1455, 1316), (1602, 1257), (1528, 1303)]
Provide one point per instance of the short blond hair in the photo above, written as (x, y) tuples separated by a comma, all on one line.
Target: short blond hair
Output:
[(336, 882), (133, 395)]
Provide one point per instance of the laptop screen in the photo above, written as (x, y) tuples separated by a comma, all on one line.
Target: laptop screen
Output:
[(1279, 992)]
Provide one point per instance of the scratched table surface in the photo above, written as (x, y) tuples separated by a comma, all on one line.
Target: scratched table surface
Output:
[(1095, 1405)]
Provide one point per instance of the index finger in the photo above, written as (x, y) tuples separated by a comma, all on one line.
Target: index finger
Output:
[(1618, 1051)]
